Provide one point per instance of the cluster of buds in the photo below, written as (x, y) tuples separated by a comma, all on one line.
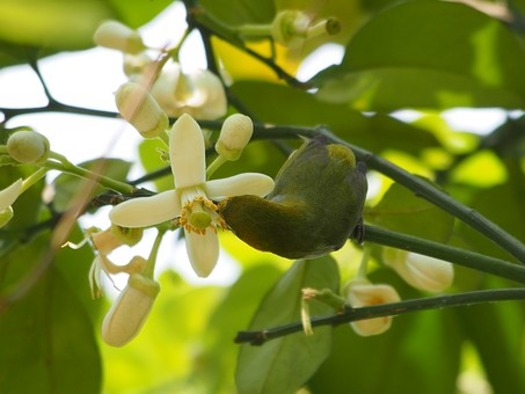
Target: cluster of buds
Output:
[(158, 89)]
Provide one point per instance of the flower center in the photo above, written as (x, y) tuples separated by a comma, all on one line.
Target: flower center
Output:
[(198, 214)]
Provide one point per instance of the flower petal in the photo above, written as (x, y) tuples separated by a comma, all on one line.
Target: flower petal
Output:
[(9, 195), (187, 153), (203, 251), (146, 211), (238, 185)]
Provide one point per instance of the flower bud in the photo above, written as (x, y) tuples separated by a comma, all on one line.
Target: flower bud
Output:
[(361, 293), (139, 108), (115, 35), (130, 310), (290, 25), (28, 147), (235, 134), (422, 272)]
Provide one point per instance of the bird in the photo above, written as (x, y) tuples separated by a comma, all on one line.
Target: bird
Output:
[(315, 207)]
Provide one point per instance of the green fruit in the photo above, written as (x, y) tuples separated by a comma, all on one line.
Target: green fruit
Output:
[(316, 205)]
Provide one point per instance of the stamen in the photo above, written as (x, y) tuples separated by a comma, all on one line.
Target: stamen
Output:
[(200, 214)]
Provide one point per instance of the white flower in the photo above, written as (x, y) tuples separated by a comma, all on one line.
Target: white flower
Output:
[(130, 310), (199, 94), (190, 201), (7, 197), (116, 35), (361, 293), (422, 272)]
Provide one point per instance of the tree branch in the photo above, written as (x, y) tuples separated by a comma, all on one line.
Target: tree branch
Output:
[(350, 314)]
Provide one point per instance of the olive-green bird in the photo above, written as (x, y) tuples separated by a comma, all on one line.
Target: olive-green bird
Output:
[(316, 205)]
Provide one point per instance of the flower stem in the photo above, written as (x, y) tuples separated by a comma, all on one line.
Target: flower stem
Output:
[(33, 178), (61, 163), (214, 166), (152, 259)]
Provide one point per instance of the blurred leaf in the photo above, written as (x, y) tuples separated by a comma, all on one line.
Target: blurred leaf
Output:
[(401, 210), (46, 336), (237, 12), (68, 187), (232, 315), (492, 329), (137, 13), (420, 353), (502, 204), (283, 365), (58, 24), (278, 104), (407, 57)]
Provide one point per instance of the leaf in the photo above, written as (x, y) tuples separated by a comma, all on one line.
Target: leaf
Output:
[(68, 187), (375, 133), (137, 13), (401, 210), (408, 57), (237, 12), (494, 330), (57, 24), (232, 314), (46, 337), (283, 365)]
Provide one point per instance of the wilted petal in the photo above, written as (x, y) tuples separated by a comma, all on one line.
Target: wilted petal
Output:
[(203, 251), (146, 211), (9, 195), (187, 153), (362, 293), (238, 185)]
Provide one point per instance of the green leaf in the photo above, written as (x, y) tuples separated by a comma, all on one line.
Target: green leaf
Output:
[(231, 315), (279, 104), (494, 330), (237, 12), (285, 364), (46, 337), (401, 210), (407, 56), (68, 186), (57, 24), (136, 13), (149, 153)]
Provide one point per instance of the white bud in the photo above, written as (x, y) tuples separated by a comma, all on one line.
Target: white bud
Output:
[(422, 272), (136, 64), (138, 107), (116, 35), (235, 134), (28, 147), (130, 310), (361, 293)]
